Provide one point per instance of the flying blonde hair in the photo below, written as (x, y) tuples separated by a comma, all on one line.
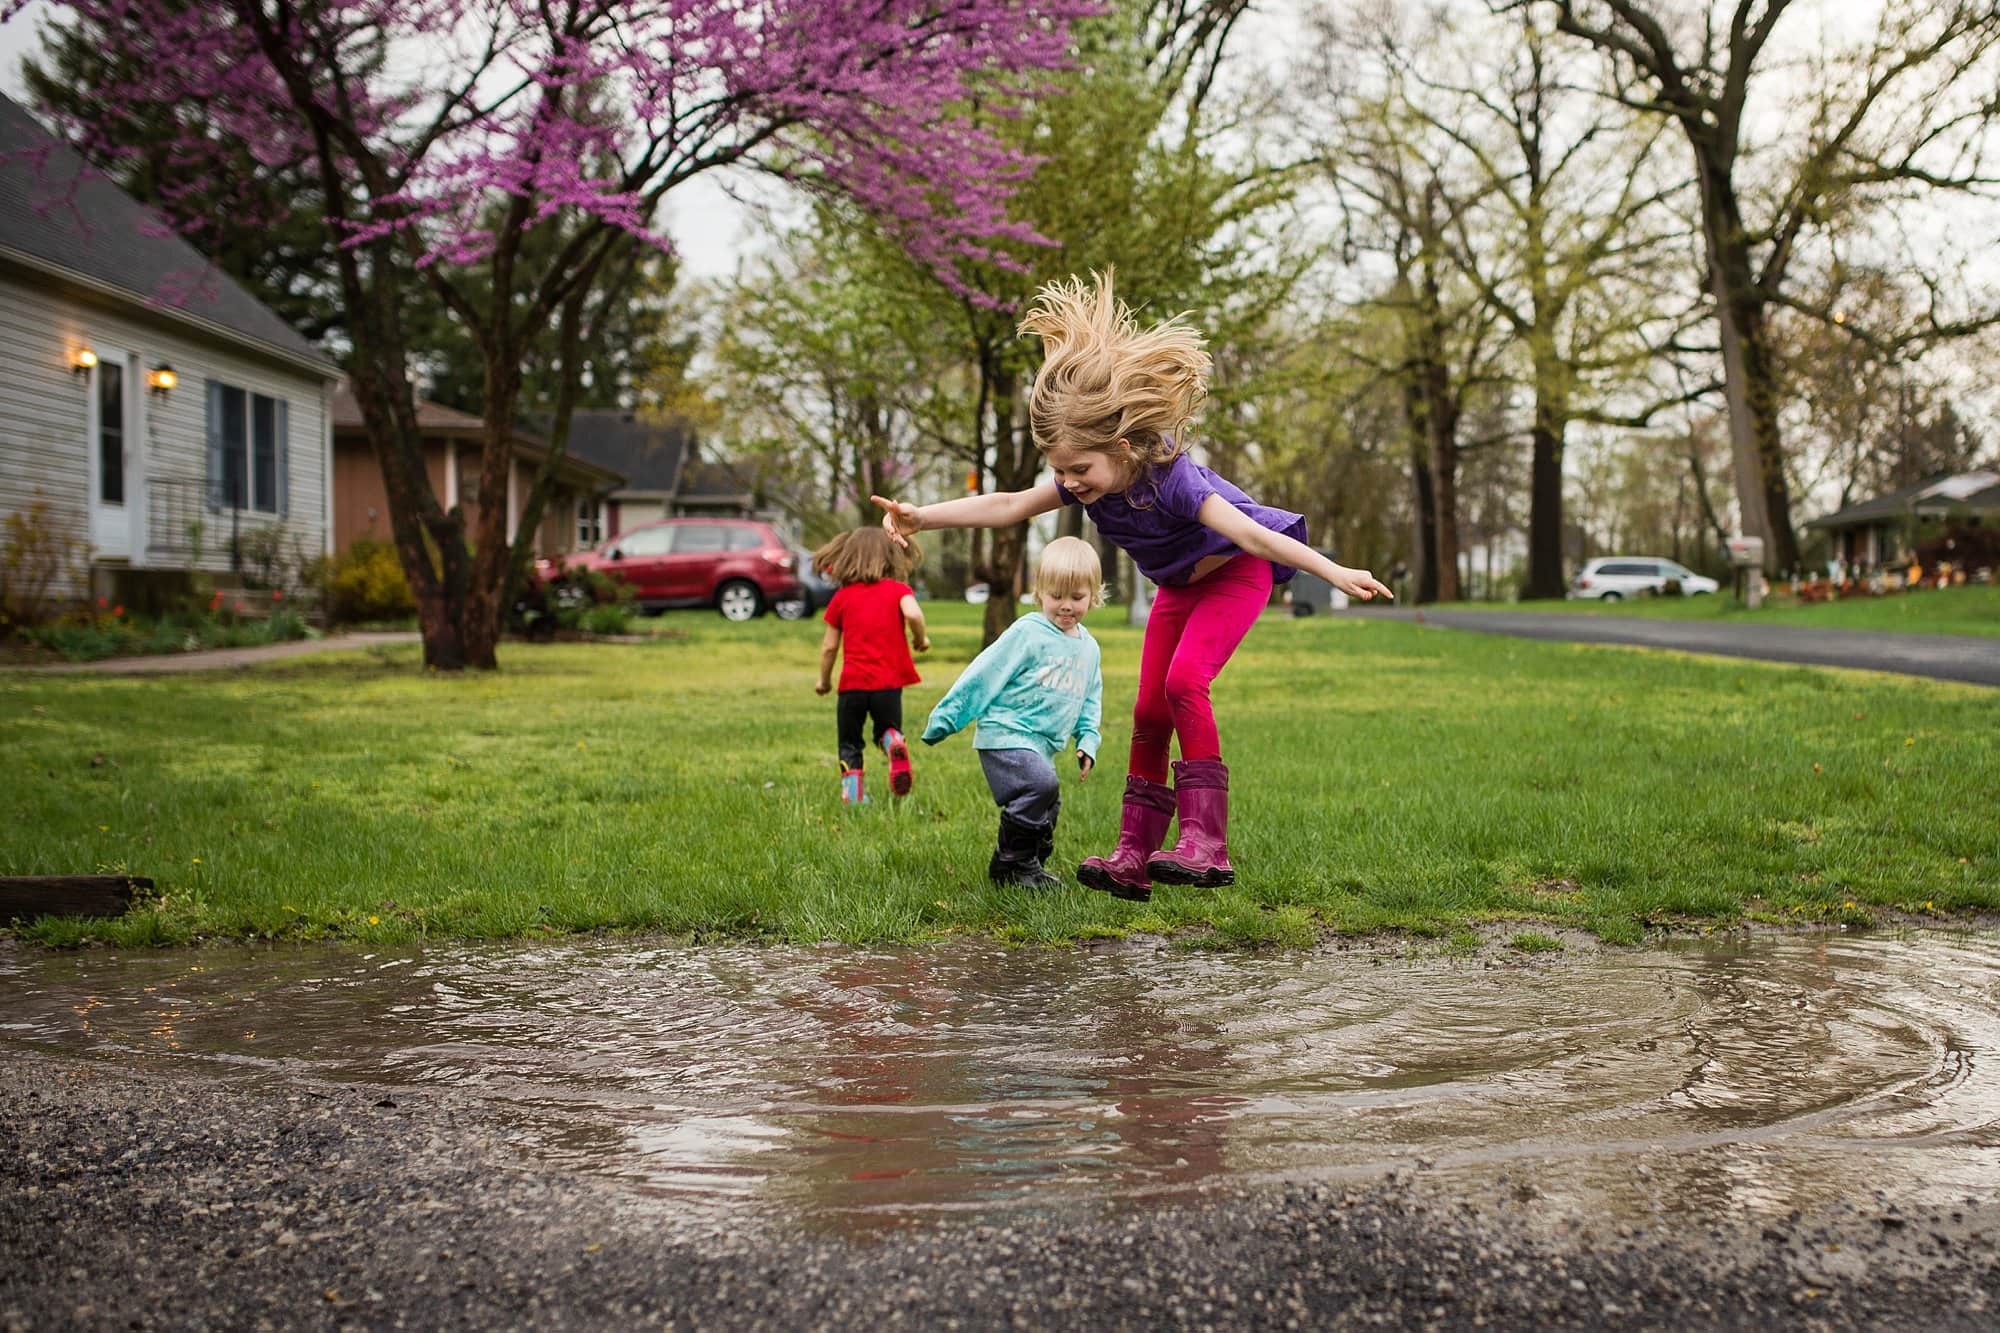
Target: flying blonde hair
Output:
[(1103, 379)]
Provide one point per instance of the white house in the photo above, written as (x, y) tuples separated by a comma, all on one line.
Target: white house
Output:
[(162, 411)]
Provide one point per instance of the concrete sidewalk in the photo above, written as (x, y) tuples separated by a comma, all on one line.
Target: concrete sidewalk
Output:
[(1957, 657), (220, 659)]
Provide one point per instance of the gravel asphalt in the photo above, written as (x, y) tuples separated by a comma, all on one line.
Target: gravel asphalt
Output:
[(1960, 657), (167, 1198)]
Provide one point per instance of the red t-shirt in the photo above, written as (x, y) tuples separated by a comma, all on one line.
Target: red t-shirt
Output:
[(874, 649)]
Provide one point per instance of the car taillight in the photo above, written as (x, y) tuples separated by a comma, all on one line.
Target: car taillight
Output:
[(1582, 583)]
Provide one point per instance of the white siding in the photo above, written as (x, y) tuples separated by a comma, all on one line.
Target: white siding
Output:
[(43, 406), (44, 410)]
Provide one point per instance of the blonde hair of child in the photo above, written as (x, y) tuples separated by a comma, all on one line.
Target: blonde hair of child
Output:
[(865, 555), (1104, 379), (1068, 563)]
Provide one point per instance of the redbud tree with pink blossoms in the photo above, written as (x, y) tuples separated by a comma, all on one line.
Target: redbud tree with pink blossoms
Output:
[(444, 132)]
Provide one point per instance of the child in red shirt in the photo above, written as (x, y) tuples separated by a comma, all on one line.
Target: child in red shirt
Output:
[(867, 619)]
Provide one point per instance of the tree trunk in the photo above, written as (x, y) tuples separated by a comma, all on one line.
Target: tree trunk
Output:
[(1749, 379), (1441, 417), (1423, 513), (1423, 538), (428, 540), (479, 608), (1545, 506), (1016, 463)]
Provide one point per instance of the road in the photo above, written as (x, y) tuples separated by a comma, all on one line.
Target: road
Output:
[(1939, 656)]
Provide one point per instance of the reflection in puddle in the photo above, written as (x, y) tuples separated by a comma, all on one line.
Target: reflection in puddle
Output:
[(874, 1087)]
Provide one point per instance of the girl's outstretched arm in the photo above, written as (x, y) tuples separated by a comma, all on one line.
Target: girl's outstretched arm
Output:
[(995, 509), (1225, 518)]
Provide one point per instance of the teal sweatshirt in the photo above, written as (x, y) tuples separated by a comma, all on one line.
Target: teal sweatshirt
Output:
[(1033, 689)]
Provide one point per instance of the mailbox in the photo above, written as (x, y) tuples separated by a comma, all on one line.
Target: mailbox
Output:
[(1746, 554), (1747, 551)]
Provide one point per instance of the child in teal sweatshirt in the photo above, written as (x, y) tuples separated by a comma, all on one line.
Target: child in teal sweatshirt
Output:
[(1038, 687)]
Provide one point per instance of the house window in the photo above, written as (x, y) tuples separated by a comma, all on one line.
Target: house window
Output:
[(589, 521), (465, 466), (111, 432), (249, 453)]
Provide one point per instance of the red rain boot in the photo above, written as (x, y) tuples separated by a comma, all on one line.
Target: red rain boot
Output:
[(1201, 857), (1149, 808), (898, 751)]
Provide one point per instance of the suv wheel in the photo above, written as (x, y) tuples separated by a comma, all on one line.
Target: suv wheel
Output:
[(1612, 597), (794, 607), (739, 600)]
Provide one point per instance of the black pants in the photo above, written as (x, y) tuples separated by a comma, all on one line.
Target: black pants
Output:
[(884, 706)]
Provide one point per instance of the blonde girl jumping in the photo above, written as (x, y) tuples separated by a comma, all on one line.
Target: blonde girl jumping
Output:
[(1110, 411)]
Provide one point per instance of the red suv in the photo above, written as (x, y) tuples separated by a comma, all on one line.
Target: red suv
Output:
[(736, 565)]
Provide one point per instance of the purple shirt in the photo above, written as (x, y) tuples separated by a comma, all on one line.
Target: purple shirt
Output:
[(1154, 522)]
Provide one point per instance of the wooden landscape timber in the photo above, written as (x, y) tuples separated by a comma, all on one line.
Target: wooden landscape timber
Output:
[(25, 897)]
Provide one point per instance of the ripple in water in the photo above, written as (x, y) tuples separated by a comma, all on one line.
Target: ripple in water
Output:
[(1767, 1075)]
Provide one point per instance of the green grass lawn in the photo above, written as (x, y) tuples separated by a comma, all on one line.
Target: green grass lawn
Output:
[(1385, 775), (1966, 610)]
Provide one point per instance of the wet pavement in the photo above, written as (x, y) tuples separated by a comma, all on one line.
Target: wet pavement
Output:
[(1966, 658), (854, 1091)]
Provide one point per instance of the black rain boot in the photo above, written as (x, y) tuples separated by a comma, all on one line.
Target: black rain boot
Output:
[(1016, 861)]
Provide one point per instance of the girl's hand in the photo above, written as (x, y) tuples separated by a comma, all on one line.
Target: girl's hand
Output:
[(923, 645), (901, 521), (1084, 764), (823, 687), (1360, 583)]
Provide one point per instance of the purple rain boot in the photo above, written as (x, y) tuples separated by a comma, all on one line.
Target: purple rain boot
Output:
[(1201, 857), (1149, 808)]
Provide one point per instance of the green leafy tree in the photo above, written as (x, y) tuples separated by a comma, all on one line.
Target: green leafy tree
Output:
[(1894, 118)]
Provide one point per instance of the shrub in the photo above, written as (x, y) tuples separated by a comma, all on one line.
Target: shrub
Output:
[(93, 638), (271, 557), (610, 618), (1672, 588), (366, 583), (1966, 548), (37, 555)]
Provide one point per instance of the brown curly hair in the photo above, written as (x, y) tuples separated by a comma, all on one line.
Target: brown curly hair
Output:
[(865, 555)]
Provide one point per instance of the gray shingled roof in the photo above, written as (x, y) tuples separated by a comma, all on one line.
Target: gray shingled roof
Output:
[(62, 217), (648, 452), (717, 481), (1978, 492), (437, 419)]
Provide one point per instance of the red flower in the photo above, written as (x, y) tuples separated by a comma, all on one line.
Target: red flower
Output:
[(277, 594), (100, 603), (118, 610)]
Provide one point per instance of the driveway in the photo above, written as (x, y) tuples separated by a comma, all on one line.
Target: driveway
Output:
[(1939, 656), (223, 659)]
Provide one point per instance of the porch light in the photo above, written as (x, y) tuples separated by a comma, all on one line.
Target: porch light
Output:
[(84, 361), (162, 379)]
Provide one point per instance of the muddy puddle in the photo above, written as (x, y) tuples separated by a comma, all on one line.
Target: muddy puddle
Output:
[(859, 1089)]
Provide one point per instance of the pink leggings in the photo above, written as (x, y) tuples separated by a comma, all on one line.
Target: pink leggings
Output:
[(1189, 636)]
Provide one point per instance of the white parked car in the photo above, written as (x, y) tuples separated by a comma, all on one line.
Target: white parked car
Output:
[(1612, 577)]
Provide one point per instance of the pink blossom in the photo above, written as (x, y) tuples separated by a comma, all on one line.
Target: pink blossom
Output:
[(441, 113)]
